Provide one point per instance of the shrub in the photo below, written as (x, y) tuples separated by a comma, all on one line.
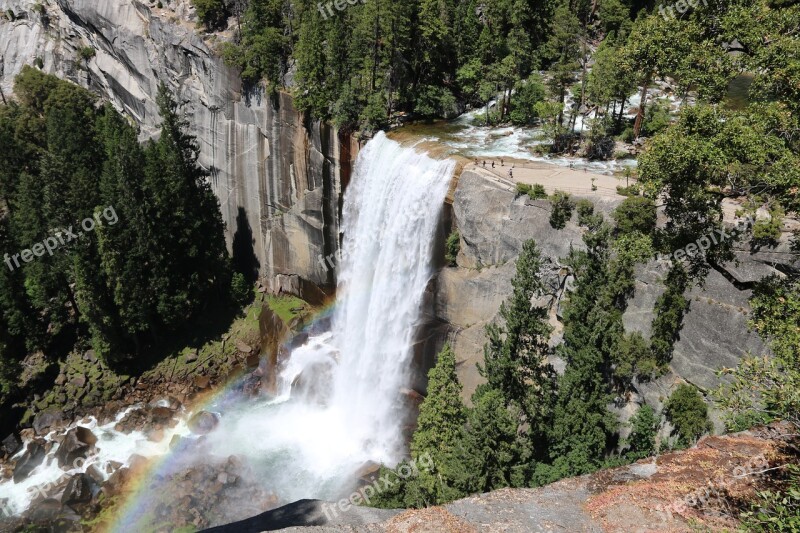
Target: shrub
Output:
[(585, 211), (635, 213), (212, 13), (688, 413), (87, 53), (642, 440), (453, 246), (562, 209), (537, 192), (523, 188), (632, 190), (241, 292)]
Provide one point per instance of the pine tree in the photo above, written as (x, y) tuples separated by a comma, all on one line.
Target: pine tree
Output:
[(583, 427), (439, 436)]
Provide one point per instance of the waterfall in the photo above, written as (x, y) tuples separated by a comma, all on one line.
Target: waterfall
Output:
[(340, 400), (339, 405)]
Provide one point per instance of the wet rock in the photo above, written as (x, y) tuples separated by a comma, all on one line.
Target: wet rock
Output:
[(191, 357), (48, 419), (71, 451), (46, 510), (116, 482), (85, 436), (252, 361), (11, 445), (203, 423), (33, 457), (79, 490)]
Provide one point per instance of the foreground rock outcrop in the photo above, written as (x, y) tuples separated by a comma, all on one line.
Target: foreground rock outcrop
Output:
[(702, 488)]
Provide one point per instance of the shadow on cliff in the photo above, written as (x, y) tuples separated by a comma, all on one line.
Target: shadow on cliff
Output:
[(244, 254)]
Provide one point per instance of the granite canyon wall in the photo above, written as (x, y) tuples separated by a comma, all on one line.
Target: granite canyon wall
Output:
[(278, 176)]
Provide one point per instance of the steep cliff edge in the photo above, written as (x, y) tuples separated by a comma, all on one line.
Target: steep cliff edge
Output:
[(276, 174), (493, 222)]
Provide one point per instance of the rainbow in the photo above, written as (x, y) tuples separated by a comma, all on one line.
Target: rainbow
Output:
[(135, 512)]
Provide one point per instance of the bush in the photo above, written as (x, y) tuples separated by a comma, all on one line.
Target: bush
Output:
[(635, 213), (87, 53), (562, 209), (585, 211), (642, 440), (453, 246), (241, 291), (523, 188), (537, 192), (688, 413), (212, 13), (632, 190)]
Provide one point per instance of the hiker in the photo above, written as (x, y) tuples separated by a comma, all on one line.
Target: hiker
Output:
[(501, 163), (492, 164), (511, 173)]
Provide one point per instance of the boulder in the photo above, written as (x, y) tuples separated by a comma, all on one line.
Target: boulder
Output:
[(71, 450), (203, 423), (252, 361), (33, 457), (85, 436), (191, 357), (48, 419), (11, 444), (80, 489)]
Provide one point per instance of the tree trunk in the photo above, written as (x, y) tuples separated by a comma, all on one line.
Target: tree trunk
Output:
[(637, 126)]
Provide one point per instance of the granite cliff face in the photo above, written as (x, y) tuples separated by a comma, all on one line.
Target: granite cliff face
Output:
[(493, 223), (277, 175)]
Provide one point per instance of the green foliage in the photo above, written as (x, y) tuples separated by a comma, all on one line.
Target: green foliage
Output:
[(768, 231), (657, 119), (537, 192), (212, 13), (87, 53), (585, 211), (635, 213), (439, 435), (642, 439), (241, 291), (768, 388), (634, 358), (688, 413), (583, 427), (156, 256), (515, 358), (669, 312), (453, 246), (562, 209), (777, 511), (528, 94)]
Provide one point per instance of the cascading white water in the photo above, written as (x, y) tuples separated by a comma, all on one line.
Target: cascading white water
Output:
[(348, 412), (339, 403)]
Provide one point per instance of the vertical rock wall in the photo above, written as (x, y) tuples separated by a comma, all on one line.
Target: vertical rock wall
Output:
[(277, 175)]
